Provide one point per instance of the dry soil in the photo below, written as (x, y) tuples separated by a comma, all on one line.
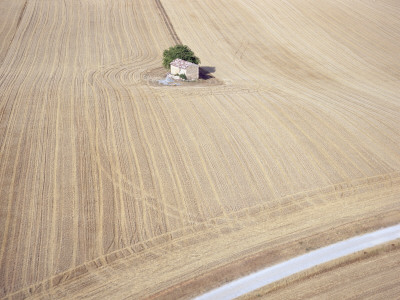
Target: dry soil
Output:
[(111, 186)]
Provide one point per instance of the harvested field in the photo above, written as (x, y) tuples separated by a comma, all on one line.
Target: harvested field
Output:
[(113, 186)]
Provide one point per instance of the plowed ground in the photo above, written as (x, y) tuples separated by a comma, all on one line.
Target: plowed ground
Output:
[(114, 187)]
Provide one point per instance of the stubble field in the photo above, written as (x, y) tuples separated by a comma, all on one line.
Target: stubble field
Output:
[(113, 186)]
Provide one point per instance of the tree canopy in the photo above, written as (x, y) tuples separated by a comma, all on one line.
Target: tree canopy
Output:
[(179, 51)]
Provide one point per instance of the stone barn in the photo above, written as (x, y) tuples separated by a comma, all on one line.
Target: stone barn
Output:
[(180, 66)]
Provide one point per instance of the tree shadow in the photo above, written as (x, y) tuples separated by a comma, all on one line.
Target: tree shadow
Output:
[(206, 72)]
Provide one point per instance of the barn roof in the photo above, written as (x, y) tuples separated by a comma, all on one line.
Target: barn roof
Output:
[(182, 64)]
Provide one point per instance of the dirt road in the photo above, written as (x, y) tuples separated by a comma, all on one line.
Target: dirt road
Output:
[(301, 263)]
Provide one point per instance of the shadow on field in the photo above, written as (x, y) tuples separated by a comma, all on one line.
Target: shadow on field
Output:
[(206, 72)]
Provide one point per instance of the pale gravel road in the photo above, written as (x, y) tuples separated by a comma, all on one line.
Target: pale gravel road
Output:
[(274, 273)]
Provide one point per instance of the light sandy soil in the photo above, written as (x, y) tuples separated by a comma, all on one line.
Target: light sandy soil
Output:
[(112, 186), (370, 274)]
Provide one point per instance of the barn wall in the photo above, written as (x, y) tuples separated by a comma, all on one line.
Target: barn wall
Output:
[(174, 70), (192, 72)]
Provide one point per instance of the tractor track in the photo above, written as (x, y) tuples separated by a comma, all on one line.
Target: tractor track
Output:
[(168, 22)]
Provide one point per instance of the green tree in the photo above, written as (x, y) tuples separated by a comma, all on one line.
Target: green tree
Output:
[(179, 51)]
